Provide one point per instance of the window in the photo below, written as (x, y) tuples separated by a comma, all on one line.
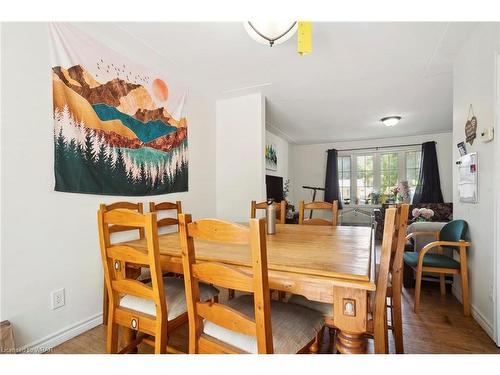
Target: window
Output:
[(344, 165), (361, 173), (388, 172), (413, 169), (364, 178)]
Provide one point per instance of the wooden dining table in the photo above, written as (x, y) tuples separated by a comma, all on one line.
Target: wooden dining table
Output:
[(331, 264)]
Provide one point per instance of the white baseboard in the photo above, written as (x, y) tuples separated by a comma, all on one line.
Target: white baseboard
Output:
[(50, 341), (476, 314)]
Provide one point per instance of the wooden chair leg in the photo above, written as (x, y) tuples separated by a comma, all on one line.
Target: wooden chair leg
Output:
[(314, 348), (442, 284), (112, 338), (105, 305), (129, 336), (418, 283), (465, 281), (331, 344), (161, 339), (380, 336), (397, 320), (281, 295)]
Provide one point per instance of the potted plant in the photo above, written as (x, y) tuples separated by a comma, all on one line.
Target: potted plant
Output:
[(394, 194), (374, 197), (290, 208)]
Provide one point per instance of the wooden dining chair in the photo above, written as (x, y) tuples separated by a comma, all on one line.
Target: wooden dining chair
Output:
[(377, 325), (334, 207), (395, 282), (136, 306), (376, 313), (451, 237), (166, 206), (248, 323), (281, 215), (132, 271), (280, 210)]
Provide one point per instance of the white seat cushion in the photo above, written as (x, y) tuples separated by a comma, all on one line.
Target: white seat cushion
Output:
[(293, 326), (174, 294), (324, 308)]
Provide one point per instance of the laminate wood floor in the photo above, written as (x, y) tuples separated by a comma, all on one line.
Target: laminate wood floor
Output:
[(439, 327)]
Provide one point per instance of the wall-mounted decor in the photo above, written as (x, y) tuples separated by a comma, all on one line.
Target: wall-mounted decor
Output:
[(467, 178), (470, 126), (119, 128), (461, 148), (271, 157)]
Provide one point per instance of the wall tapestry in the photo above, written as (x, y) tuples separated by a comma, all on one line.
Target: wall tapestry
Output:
[(271, 157), (119, 128)]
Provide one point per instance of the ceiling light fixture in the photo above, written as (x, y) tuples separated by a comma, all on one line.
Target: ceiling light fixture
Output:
[(270, 32), (391, 120)]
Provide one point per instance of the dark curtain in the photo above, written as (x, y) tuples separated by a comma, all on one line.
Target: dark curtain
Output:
[(332, 190), (429, 186)]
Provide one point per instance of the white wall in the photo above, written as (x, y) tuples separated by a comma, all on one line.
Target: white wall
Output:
[(308, 162), (49, 239), (240, 162), (474, 81), (282, 151)]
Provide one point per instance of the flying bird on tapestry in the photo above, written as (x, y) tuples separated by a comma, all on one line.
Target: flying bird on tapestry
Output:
[(119, 128)]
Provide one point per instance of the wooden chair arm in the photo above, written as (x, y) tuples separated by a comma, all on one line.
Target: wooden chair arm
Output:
[(429, 246), (415, 234)]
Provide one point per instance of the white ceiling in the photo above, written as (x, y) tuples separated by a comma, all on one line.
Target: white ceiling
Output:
[(357, 74)]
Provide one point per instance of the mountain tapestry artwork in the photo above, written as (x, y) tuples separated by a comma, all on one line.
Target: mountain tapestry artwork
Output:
[(119, 128)]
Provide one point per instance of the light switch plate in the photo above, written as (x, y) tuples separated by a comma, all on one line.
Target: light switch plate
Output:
[(488, 134)]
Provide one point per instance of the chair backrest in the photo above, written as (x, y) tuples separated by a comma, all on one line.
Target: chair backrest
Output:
[(280, 210), (382, 277), (334, 207), (229, 277), (137, 207), (115, 257), (454, 231), (166, 206), (399, 241)]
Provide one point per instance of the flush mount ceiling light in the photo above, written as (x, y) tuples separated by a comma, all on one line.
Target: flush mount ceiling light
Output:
[(391, 120), (270, 32)]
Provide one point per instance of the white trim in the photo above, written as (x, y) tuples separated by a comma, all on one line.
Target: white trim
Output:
[(496, 205), (280, 133), (476, 314), (50, 341)]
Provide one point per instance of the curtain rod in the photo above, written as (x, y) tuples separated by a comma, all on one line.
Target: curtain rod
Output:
[(377, 148)]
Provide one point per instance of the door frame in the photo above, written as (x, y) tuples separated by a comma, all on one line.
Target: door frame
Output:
[(496, 277)]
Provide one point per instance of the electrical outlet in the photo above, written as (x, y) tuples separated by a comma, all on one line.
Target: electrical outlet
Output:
[(58, 299)]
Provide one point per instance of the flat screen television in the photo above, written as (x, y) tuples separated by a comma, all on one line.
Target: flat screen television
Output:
[(274, 188)]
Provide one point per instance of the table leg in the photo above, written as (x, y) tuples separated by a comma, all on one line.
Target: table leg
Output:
[(351, 343), (350, 317)]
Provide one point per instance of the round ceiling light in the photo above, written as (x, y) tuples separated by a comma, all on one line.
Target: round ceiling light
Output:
[(270, 32), (391, 120)]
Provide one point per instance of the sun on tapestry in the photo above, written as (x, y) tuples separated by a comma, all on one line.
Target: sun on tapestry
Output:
[(119, 128)]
